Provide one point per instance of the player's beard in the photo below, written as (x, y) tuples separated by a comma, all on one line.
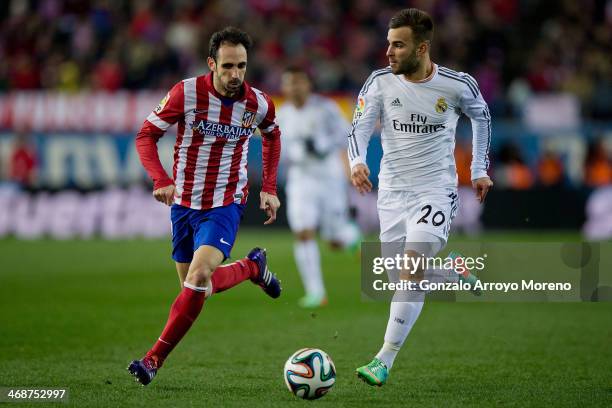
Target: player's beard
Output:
[(409, 66), (232, 87)]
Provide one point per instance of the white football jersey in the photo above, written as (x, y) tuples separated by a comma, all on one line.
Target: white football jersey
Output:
[(418, 121), (319, 123)]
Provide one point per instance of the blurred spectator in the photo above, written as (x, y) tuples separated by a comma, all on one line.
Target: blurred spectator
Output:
[(538, 47), (511, 171), (108, 74), (463, 160), (23, 161), (23, 74), (550, 170), (598, 165), (468, 215)]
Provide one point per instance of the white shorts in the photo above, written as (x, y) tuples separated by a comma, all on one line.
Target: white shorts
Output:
[(403, 214), (315, 203)]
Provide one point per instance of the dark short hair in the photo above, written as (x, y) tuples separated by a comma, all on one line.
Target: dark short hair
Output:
[(230, 35), (419, 21), (297, 69)]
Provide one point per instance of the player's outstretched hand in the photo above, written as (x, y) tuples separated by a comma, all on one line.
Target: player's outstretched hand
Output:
[(165, 194), (360, 178), (270, 204), (482, 187)]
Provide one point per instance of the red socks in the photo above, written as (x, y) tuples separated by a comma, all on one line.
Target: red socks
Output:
[(184, 311), (188, 305), (228, 276)]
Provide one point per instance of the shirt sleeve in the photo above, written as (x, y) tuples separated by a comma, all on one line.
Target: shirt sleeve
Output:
[(167, 113), (367, 113), (293, 151), (337, 126), (271, 148), (474, 106)]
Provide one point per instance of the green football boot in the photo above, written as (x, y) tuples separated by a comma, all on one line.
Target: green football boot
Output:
[(467, 276), (312, 301), (375, 373)]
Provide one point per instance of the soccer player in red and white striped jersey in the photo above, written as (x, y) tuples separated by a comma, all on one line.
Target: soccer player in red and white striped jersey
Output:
[(216, 115)]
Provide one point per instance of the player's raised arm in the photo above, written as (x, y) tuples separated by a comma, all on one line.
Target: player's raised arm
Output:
[(271, 148), (474, 106), (168, 112), (367, 112)]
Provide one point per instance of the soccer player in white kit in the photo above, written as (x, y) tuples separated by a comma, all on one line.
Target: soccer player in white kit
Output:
[(314, 140), (418, 104)]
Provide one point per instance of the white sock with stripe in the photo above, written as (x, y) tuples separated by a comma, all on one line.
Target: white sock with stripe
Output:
[(206, 289)]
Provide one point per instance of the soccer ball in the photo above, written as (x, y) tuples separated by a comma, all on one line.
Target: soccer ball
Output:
[(309, 373)]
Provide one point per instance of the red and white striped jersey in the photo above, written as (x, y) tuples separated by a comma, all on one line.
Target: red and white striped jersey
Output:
[(210, 154)]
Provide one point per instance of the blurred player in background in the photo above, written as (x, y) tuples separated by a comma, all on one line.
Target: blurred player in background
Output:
[(217, 114), (418, 104), (314, 139)]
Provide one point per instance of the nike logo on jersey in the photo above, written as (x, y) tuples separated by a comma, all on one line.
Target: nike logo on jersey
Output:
[(396, 103), (224, 242)]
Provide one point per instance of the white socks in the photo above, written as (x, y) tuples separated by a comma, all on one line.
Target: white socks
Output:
[(402, 317), (406, 306), (309, 265)]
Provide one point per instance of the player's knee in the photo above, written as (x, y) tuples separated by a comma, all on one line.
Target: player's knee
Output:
[(305, 235), (335, 245), (412, 270), (417, 276), (199, 275)]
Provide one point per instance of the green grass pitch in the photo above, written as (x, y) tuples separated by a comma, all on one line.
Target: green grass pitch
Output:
[(73, 314)]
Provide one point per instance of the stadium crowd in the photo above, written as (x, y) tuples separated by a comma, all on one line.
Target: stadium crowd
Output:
[(512, 47)]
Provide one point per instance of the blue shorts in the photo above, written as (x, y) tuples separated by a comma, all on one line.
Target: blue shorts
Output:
[(191, 229)]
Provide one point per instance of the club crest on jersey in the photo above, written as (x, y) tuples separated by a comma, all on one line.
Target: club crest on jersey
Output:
[(441, 105), (248, 118), (162, 103)]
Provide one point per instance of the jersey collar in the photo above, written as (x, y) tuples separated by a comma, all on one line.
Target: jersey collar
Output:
[(434, 71)]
